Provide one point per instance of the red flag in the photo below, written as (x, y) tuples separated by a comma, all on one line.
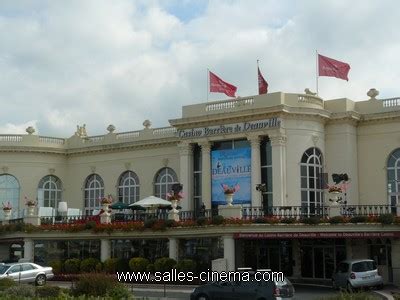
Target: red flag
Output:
[(262, 84), (217, 85), (332, 68)]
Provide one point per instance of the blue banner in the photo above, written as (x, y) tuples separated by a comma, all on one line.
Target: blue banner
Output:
[(231, 167)]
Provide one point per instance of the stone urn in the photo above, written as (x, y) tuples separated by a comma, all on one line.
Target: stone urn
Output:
[(31, 210), (105, 207), (7, 214), (229, 199), (174, 204)]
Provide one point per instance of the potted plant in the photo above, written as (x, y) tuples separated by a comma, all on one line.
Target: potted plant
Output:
[(31, 206), (174, 197), (106, 202), (229, 191), (7, 210)]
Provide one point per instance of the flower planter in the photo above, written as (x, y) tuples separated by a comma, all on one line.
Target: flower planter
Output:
[(229, 199), (31, 210), (7, 214)]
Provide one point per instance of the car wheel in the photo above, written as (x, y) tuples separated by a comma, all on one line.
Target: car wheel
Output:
[(202, 297), (350, 288), (380, 287), (40, 280)]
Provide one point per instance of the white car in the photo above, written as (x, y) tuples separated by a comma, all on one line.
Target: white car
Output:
[(357, 273), (25, 272)]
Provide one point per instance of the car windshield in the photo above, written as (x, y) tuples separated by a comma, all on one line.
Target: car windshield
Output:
[(364, 266), (3, 268)]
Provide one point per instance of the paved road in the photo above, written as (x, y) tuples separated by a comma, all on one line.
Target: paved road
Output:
[(156, 292)]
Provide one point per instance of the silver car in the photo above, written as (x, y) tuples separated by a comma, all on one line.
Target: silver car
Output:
[(26, 272), (357, 273)]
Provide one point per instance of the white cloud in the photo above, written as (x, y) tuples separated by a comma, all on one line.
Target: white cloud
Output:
[(10, 128), (100, 62)]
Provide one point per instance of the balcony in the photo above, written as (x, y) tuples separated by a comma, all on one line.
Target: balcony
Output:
[(272, 215)]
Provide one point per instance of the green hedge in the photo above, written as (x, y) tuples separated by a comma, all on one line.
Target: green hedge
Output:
[(164, 264), (138, 264), (72, 266), (89, 265)]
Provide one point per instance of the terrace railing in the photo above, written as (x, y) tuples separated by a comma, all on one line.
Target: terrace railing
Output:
[(296, 212)]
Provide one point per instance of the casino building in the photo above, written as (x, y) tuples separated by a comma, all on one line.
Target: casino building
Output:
[(278, 150)]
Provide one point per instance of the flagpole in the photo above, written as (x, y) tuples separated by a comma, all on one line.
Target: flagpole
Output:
[(258, 68), (208, 81), (316, 69)]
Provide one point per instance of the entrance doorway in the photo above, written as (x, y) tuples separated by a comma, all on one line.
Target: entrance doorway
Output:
[(319, 257), (381, 252)]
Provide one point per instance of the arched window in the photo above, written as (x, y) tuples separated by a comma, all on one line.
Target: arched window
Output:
[(49, 191), (393, 177), (164, 180), (311, 168), (9, 191), (128, 187), (94, 191)]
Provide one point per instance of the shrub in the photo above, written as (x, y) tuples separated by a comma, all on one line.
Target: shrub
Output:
[(201, 221), (110, 265), (90, 225), (99, 267), (386, 219), (138, 264), (20, 291), (89, 265), (48, 291), (150, 268), (57, 266), (164, 264), (186, 265), (358, 219), (311, 220), (119, 292), (71, 265), (260, 221), (94, 284), (5, 283), (217, 220), (337, 220)]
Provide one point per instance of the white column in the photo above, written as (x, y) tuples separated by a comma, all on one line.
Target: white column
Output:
[(105, 249), (255, 170), (28, 249), (173, 248), (186, 175), (206, 174), (229, 252), (278, 145)]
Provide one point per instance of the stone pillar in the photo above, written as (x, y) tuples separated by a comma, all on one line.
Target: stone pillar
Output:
[(206, 174), (229, 252), (28, 249), (173, 248), (396, 261), (186, 174), (278, 145), (296, 259), (105, 249), (255, 170)]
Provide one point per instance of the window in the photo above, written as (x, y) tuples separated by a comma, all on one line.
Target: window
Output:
[(14, 269), (393, 175), (49, 191), (9, 190), (197, 160), (128, 187), (28, 267), (164, 181), (311, 169), (94, 191), (266, 173)]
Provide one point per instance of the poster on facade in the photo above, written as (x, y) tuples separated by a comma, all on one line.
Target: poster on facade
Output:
[(231, 168)]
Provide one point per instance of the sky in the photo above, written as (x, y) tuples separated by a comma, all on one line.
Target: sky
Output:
[(120, 62)]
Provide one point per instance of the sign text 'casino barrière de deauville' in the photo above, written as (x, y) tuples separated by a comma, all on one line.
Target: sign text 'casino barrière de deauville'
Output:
[(229, 128)]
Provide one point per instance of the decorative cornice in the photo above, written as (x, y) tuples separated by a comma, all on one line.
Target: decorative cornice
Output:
[(278, 140)]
